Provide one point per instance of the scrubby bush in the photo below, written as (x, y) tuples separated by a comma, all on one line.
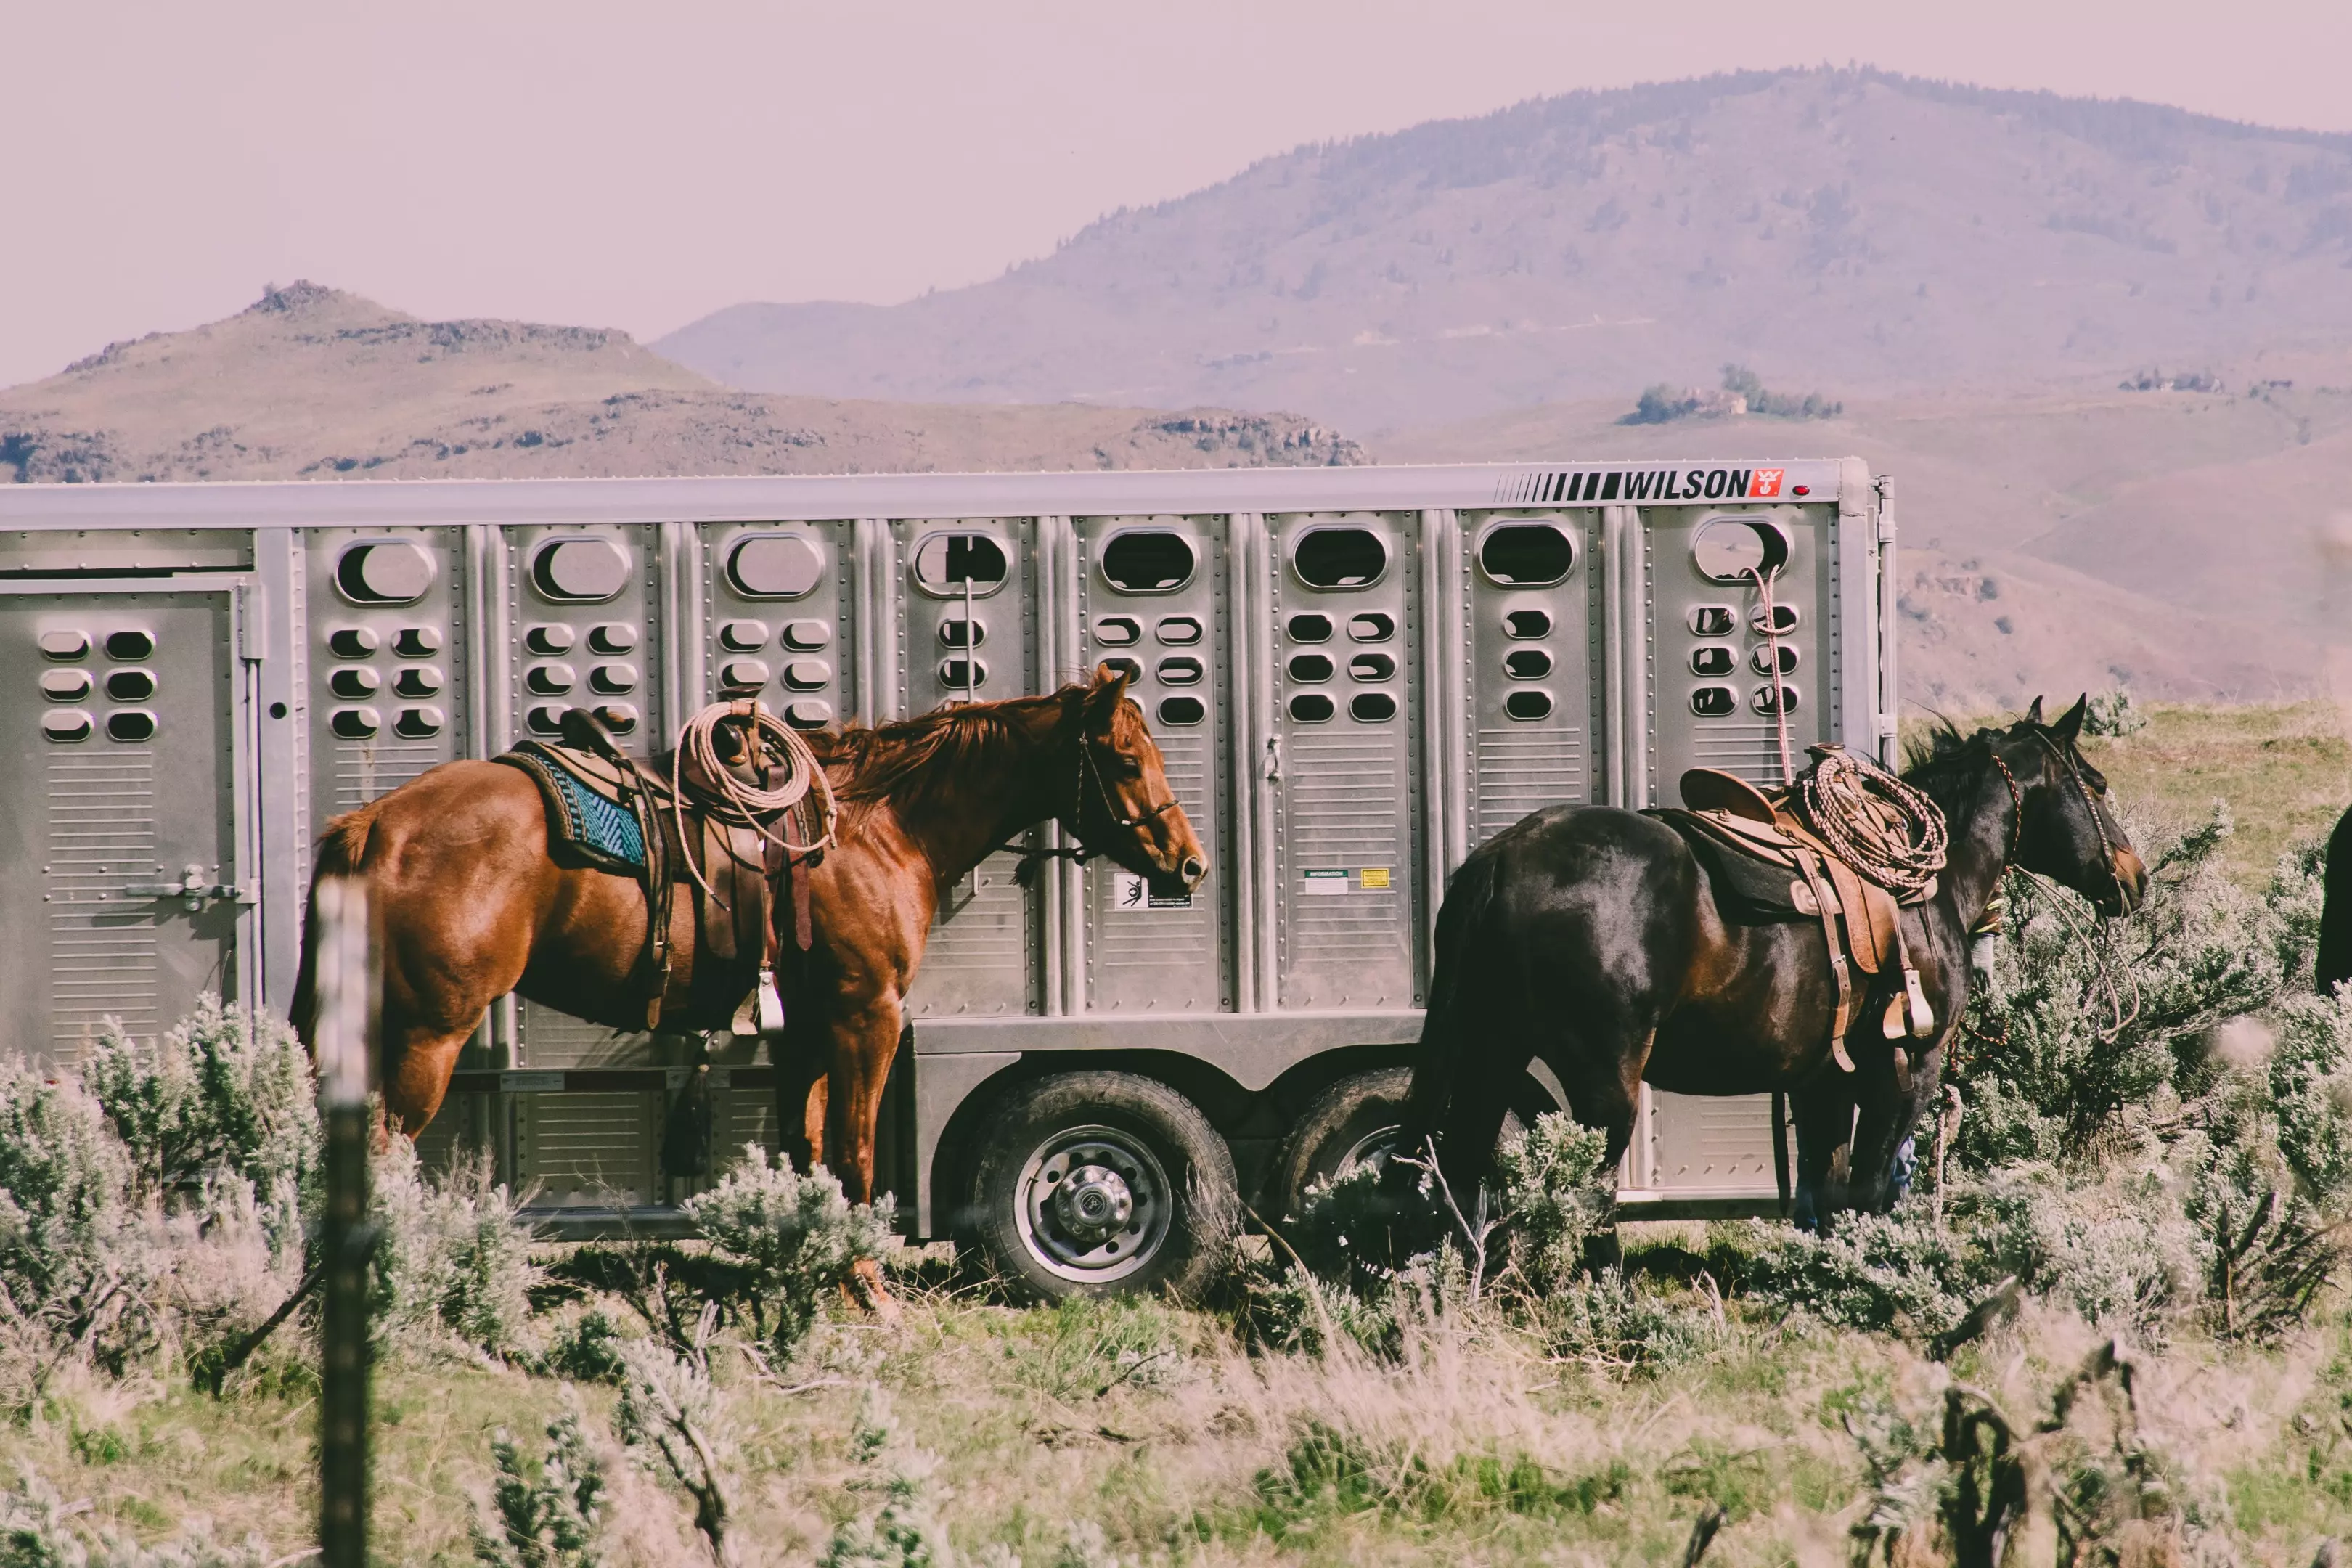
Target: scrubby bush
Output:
[(904, 1530), (1615, 1323), (36, 1532), (671, 1413), (543, 1513), (78, 1262), (588, 1349), (215, 1093), (453, 1263), (1555, 1197), (796, 1240)]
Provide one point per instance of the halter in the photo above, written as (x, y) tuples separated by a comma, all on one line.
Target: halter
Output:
[(1088, 772), (2082, 787)]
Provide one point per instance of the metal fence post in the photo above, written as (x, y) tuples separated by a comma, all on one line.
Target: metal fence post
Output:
[(347, 1011)]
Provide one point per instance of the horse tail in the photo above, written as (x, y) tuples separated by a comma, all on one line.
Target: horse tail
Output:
[(1445, 1031), (343, 851), (2335, 965)]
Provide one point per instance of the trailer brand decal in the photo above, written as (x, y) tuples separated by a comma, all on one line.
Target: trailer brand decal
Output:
[(1324, 883), (1649, 484), (1129, 891)]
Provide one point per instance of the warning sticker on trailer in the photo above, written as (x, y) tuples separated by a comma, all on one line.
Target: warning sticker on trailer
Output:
[(1129, 891), (1375, 878), (1324, 883)]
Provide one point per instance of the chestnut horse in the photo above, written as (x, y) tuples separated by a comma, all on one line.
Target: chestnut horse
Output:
[(468, 906)]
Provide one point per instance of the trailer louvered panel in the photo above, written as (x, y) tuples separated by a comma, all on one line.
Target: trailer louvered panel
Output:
[(1520, 773), (102, 958), (590, 1149)]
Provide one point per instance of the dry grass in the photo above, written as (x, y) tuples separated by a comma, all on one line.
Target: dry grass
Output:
[(1159, 1427)]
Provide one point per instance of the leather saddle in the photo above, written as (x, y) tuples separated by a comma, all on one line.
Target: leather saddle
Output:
[(610, 812), (1765, 866)]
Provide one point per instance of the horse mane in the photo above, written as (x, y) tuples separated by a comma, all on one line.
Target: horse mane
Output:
[(914, 761)]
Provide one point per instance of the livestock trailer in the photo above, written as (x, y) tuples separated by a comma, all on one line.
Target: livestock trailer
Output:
[(1356, 675)]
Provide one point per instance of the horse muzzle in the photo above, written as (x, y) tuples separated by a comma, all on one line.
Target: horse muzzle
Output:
[(2130, 890)]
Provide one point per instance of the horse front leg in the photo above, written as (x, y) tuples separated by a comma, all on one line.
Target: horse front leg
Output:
[(865, 1034), (1823, 1114)]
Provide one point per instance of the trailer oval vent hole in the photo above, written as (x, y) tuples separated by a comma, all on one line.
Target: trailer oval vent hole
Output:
[(417, 681), (358, 724), (1371, 628), (417, 642), (1372, 708), (1310, 628), (546, 679), (66, 725), (743, 674), (1760, 656), (129, 685), (418, 723), (1766, 703), (743, 637), (1714, 702), (961, 673), (618, 717), (1372, 667), (1529, 705), (1179, 631), (351, 642), (383, 572), (1148, 560), (1118, 631), (352, 684), (1182, 671), (947, 563), (960, 633), (545, 720), (1712, 621), (64, 685), (1784, 620), (130, 646), (1311, 667), (1527, 624), (1126, 667), (63, 646), (1711, 660), (550, 639), (131, 725), (612, 639), (1311, 707), (1526, 664), (808, 675), (579, 570), (1527, 554), (775, 565), (1727, 549), (805, 636), (612, 679), (808, 715), (1180, 711), (1339, 558)]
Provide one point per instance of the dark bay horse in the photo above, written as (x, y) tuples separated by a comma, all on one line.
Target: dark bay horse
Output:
[(1588, 936), (468, 906), (2334, 957)]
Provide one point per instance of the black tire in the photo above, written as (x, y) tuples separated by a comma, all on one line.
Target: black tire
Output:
[(1157, 1212), (1343, 1127)]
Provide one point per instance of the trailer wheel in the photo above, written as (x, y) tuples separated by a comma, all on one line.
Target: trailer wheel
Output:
[(1102, 1183), (1355, 1122)]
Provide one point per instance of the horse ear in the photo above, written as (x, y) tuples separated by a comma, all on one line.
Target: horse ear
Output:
[(1104, 697), (2033, 714), (2070, 723)]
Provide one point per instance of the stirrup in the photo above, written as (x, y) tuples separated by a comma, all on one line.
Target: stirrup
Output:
[(762, 1012)]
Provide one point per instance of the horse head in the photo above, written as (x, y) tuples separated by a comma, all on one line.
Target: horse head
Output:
[(2065, 829), (1123, 808)]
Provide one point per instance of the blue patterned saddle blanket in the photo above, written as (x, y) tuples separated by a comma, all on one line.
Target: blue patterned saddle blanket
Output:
[(586, 823)]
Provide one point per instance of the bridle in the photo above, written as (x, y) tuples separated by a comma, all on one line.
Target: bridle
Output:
[(1088, 772), (2090, 802)]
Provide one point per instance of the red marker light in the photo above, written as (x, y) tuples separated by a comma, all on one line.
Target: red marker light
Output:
[(1804, 490)]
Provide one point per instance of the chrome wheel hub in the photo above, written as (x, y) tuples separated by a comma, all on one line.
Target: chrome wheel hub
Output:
[(1095, 1205)]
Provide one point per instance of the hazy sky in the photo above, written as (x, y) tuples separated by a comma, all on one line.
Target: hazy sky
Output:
[(636, 165)]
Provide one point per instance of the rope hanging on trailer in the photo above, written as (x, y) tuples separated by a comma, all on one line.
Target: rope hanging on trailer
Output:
[(751, 806), (1883, 827)]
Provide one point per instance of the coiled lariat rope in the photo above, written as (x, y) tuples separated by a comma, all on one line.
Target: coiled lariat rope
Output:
[(1883, 827), (750, 805)]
